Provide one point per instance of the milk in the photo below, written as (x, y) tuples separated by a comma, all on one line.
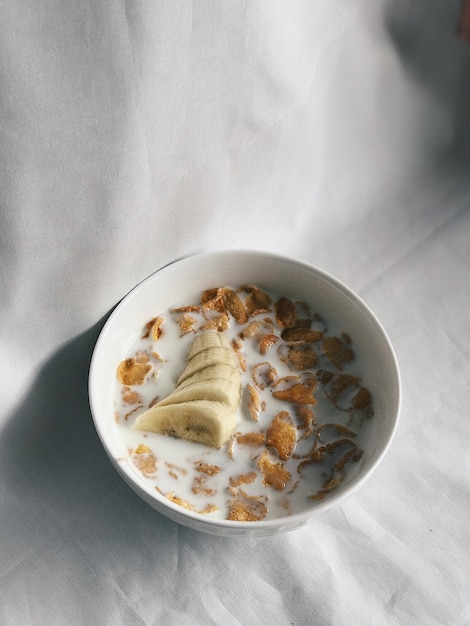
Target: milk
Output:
[(171, 465)]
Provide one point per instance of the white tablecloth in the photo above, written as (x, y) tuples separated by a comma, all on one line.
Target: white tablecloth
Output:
[(136, 133)]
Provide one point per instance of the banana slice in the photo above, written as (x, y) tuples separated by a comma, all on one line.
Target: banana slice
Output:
[(203, 407), (212, 356), (202, 421), (223, 391), (219, 371), (208, 340)]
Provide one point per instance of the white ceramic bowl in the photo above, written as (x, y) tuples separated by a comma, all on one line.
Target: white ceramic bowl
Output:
[(184, 280)]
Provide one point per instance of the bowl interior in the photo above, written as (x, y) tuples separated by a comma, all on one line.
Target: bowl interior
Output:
[(182, 282)]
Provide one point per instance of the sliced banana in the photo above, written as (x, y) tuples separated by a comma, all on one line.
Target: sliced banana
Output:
[(207, 341), (203, 407), (222, 391), (219, 371), (202, 421), (211, 356)]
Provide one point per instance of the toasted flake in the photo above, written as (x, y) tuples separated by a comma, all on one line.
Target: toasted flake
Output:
[(235, 306), (130, 372), (206, 468), (319, 495), (318, 453), (325, 376), (231, 446), (286, 313), (341, 383), (257, 329), (148, 328), (257, 300), (303, 322), (130, 397), (154, 401), (254, 403), (305, 416), (209, 294), (340, 443), (129, 413), (177, 500), (187, 323), (142, 356), (156, 331), (245, 508), (144, 460), (281, 435), (267, 341), (362, 399), (237, 347), (263, 375), (299, 392), (339, 429), (243, 479), (200, 486), (176, 468), (354, 454), (190, 308), (306, 420), (220, 323), (209, 508), (346, 392), (274, 475), (251, 439), (309, 380), (212, 299), (332, 483), (300, 333), (298, 356), (337, 351)]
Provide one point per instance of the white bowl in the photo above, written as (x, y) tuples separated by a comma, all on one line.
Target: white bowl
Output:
[(183, 281)]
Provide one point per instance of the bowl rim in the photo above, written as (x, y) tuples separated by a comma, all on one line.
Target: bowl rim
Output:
[(180, 514)]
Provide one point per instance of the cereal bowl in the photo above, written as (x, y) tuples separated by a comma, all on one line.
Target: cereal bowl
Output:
[(318, 402)]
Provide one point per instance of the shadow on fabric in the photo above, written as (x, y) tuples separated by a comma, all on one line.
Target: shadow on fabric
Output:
[(438, 62), (51, 458)]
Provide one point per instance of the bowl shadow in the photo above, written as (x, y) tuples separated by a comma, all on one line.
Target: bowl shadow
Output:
[(52, 459)]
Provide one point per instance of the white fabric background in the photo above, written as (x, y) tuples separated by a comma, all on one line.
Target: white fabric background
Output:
[(135, 133)]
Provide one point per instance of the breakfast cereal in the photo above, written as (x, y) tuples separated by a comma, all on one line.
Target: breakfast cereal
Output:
[(302, 416)]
